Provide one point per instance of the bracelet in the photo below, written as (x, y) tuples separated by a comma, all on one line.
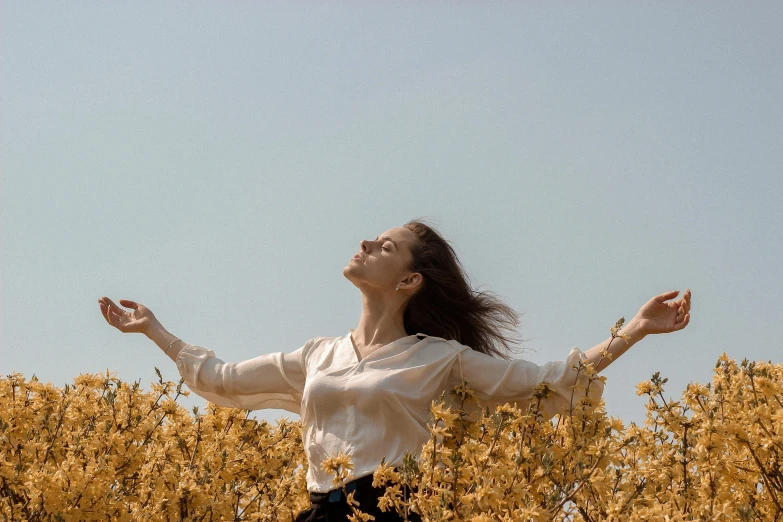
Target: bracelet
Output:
[(169, 346)]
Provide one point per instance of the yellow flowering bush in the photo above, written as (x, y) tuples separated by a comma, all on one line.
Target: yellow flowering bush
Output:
[(716, 454), (105, 449)]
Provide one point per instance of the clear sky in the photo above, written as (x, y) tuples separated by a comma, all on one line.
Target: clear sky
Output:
[(220, 162)]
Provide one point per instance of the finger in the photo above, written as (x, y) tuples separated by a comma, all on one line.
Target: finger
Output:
[(129, 304), (682, 324), (111, 303), (119, 313), (116, 316), (116, 319), (109, 316), (113, 308), (666, 296), (104, 311)]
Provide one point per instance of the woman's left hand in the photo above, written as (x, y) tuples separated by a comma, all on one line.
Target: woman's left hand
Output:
[(658, 316)]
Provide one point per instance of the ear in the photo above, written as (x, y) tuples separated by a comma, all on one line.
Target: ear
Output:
[(413, 281)]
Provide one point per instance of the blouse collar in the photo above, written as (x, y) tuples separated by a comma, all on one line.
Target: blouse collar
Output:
[(419, 336)]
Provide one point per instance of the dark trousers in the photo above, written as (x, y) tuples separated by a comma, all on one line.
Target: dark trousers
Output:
[(333, 507)]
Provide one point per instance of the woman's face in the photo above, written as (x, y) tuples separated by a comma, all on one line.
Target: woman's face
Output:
[(381, 263)]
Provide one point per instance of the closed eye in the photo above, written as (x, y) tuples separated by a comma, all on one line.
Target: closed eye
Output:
[(388, 240)]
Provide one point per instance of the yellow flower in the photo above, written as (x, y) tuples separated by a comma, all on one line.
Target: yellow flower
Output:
[(644, 387)]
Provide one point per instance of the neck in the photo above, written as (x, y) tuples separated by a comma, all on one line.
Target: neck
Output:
[(381, 321)]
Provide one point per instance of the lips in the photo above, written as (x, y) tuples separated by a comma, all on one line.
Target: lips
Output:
[(357, 256)]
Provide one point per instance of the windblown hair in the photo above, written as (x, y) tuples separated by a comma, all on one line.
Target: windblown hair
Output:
[(446, 305)]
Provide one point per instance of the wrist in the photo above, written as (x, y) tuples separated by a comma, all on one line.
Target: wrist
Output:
[(155, 331), (635, 330), (160, 336), (166, 341)]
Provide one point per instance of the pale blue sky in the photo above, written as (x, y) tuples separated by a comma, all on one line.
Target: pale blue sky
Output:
[(220, 162)]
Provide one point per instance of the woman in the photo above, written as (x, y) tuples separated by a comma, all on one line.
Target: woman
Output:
[(367, 393)]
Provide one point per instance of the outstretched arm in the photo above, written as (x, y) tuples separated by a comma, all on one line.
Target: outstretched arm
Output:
[(655, 317), (272, 380)]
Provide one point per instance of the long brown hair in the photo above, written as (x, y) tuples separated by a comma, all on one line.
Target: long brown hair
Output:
[(446, 305)]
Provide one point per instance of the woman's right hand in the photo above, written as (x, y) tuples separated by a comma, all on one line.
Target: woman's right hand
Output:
[(139, 320)]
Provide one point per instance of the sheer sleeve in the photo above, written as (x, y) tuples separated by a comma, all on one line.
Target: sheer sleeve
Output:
[(498, 381), (273, 380)]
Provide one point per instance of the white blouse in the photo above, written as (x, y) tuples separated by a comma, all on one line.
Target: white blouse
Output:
[(374, 407)]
